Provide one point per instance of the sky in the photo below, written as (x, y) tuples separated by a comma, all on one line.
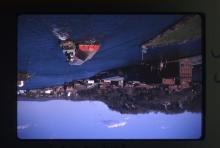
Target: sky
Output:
[(64, 119)]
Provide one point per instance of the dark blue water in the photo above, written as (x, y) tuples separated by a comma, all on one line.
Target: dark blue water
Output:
[(120, 37)]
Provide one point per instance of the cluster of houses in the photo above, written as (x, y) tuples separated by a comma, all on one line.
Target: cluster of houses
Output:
[(71, 88), (44, 92), (176, 76), (183, 74)]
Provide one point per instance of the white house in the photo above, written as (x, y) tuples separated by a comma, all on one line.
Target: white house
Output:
[(21, 92), (48, 91), (119, 80), (90, 81)]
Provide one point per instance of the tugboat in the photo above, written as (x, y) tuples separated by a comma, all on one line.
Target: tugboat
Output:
[(21, 77), (79, 52)]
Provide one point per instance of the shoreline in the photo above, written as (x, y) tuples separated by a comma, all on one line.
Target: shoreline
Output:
[(135, 100)]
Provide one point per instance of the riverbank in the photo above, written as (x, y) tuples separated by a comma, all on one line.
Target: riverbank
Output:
[(133, 99)]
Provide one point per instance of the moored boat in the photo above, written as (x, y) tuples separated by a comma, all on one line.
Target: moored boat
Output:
[(79, 52)]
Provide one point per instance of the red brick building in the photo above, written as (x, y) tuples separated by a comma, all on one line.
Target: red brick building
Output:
[(185, 71), (178, 72)]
